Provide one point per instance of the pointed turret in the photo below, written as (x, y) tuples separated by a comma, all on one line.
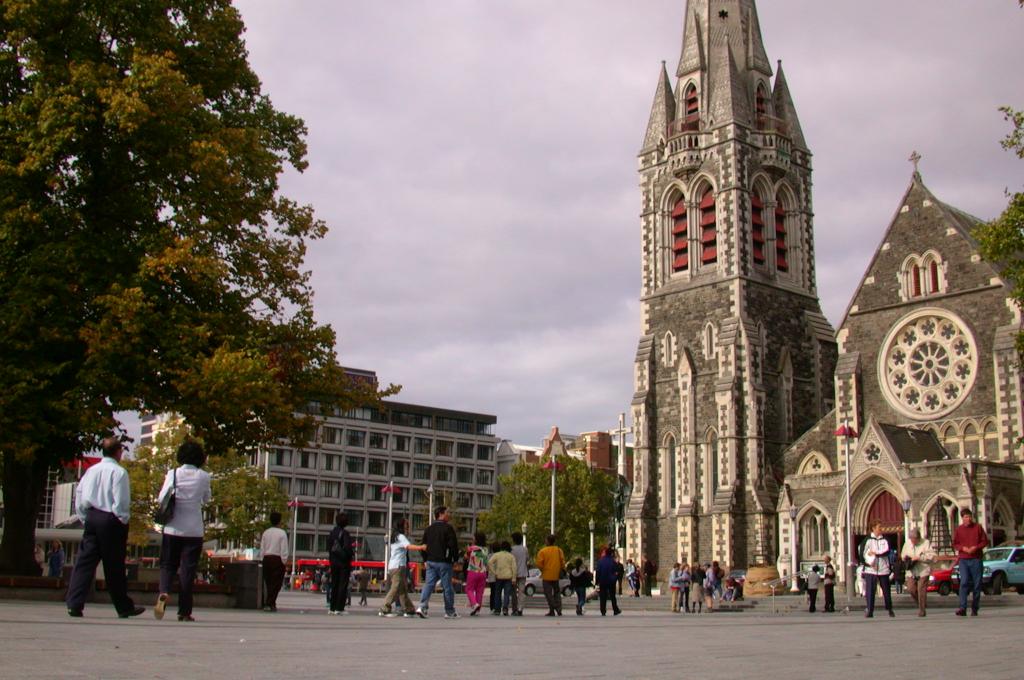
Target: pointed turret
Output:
[(663, 111), (755, 44), (784, 109), (729, 101), (692, 57)]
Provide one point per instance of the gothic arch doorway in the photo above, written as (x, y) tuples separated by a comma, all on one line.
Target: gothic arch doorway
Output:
[(885, 509)]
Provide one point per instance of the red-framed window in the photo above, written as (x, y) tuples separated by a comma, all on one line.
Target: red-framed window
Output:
[(933, 273), (915, 281), (680, 237), (761, 101), (781, 247), (757, 228), (691, 104), (708, 228)]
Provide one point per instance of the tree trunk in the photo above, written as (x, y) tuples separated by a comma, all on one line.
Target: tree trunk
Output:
[(23, 485)]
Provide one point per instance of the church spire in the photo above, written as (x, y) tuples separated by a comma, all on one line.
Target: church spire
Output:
[(692, 57), (784, 109), (663, 111), (729, 99)]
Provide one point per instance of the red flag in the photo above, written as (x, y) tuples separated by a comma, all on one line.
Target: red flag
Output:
[(390, 488)]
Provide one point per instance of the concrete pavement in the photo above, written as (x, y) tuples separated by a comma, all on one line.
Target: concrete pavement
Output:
[(39, 640)]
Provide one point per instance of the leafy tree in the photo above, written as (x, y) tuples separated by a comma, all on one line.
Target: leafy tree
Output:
[(581, 494), (147, 259), (1002, 240)]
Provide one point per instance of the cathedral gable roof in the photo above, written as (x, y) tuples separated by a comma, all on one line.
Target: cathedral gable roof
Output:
[(925, 221), (912, 445)]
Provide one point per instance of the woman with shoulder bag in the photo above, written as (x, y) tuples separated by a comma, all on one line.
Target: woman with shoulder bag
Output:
[(918, 557), (182, 541)]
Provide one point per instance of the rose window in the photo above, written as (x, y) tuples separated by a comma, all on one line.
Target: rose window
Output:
[(928, 364)]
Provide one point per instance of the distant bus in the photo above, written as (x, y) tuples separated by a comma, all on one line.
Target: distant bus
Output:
[(307, 569)]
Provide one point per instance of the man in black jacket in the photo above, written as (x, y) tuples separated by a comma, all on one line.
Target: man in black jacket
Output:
[(442, 548), (341, 551)]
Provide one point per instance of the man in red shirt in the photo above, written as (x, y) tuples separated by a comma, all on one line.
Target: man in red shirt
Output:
[(969, 540)]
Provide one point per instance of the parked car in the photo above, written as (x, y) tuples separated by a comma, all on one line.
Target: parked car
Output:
[(1003, 566), (945, 578), (534, 584)]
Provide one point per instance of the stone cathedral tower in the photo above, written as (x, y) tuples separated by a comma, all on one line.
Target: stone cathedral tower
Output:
[(735, 359)]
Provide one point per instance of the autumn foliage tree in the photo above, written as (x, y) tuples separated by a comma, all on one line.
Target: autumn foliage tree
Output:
[(148, 261)]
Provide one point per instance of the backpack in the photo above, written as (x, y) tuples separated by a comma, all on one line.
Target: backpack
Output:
[(861, 547)]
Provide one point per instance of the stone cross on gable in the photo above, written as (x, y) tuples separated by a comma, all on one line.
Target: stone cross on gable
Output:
[(622, 432), (915, 158)]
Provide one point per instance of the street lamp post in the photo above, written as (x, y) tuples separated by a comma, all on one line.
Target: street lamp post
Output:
[(591, 525), (524, 540), (848, 433), (430, 503), (794, 587), (390, 490), (295, 505), (554, 466)]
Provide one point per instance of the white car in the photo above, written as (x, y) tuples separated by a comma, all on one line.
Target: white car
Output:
[(534, 584)]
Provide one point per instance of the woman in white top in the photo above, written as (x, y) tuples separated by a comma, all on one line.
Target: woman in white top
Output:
[(918, 552), (877, 569), (183, 535)]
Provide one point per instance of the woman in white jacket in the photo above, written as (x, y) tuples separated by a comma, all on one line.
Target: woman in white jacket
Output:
[(918, 551), (877, 570), (183, 535)]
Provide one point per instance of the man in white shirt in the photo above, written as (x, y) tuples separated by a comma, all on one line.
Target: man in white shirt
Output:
[(103, 501), (274, 551), (877, 570)]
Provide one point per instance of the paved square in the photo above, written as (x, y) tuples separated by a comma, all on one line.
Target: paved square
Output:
[(39, 640)]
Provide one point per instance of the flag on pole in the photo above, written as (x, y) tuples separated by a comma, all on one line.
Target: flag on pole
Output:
[(391, 488), (296, 504)]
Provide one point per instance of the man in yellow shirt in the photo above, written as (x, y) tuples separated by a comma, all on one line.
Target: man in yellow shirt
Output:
[(551, 561)]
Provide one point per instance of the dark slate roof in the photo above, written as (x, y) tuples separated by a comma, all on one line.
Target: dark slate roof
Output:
[(914, 446)]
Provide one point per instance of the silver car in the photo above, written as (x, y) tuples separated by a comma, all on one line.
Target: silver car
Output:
[(534, 584)]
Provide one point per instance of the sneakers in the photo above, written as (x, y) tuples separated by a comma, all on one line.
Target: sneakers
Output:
[(186, 617), (420, 613), (385, 614), (517, 613), (409, 615), (134, 612), (504, 612), (476, 610), (892, 614), (961, 612), (74, 613), (161, 606), (453, 615)]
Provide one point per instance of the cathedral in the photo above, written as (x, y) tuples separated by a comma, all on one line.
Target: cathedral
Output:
[(740, 380)]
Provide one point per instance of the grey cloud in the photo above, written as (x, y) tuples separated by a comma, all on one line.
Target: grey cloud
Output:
[(476, 162)]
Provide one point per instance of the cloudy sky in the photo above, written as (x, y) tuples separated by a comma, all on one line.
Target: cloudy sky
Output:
[(476, 163)]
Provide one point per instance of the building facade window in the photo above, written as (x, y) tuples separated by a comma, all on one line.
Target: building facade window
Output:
[(376, 519), (781, 246), (307, 460), (757, 229), (423, 446), (400, 442), (814, 535), (332, 462), (928, 364), (680, 237), (355, 438), (464, 475), (443, 473), (484, 477), (421, 471), (378, 467), (445, 447), (304, 487), (708, 228), (327, 515), (691, 108), (465, 450), (281, 457), (922, 275), (355, 464), (399, 468), (484, 452), (332, 435), (378, 440), (330, 489), (354, 491)]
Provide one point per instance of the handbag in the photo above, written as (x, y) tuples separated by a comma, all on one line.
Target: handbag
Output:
[(165, 512)]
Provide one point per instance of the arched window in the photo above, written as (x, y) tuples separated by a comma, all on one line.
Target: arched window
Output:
[(972, 443), (915, 281), (708, 228), (710, 341), (757, 228), (933, 276), (761, 103), (990, 442), (922, 275), (668, 349), (814, 538), (951, 440), (680, 237), (670, 476), (713, 461), (781, 247), (942, 521), (691, 106)]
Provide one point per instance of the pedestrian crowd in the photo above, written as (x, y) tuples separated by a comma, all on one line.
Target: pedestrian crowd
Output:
[(103, 505)]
